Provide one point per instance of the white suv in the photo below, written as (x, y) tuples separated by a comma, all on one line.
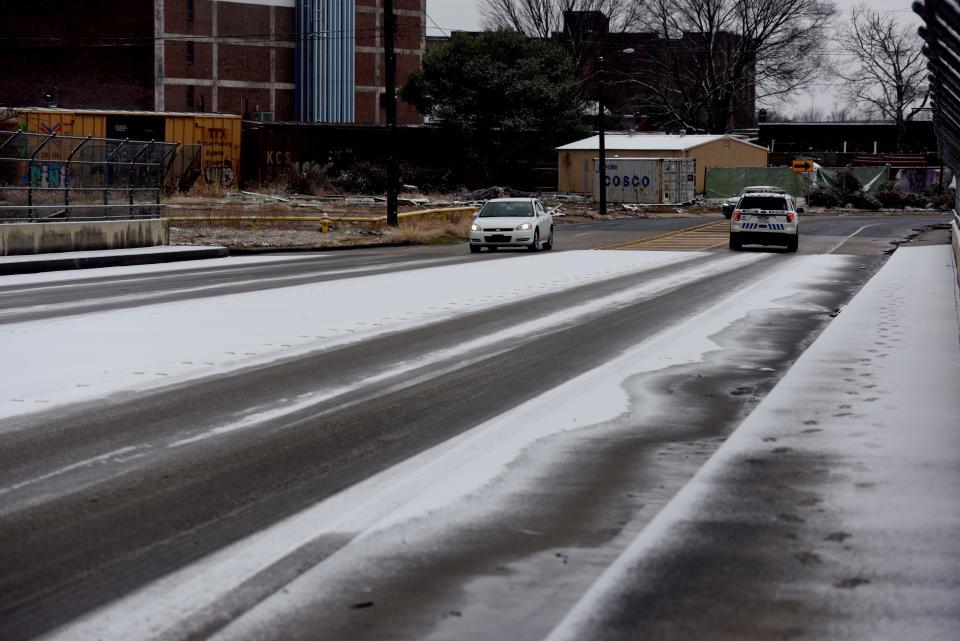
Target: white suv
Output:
[(765, 219), (512, 222)]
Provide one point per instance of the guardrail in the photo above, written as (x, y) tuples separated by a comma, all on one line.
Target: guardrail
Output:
[(78, 213), (942, 33), (51, 177), (942, 18)]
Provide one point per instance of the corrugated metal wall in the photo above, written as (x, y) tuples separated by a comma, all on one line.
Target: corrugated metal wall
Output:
[(648, 180), (326, 60)]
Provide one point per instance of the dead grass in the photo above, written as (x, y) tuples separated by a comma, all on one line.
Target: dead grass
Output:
[(429, 232), (292, 235), (203, 189)]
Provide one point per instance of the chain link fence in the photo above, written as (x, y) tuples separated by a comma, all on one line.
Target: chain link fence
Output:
[(48, 178)]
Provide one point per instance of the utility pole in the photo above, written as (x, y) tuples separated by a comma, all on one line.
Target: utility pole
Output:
[(393, 171), (602, 187)]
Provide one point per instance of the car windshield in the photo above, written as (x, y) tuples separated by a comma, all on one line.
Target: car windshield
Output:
[(507, 209), (763, 202)]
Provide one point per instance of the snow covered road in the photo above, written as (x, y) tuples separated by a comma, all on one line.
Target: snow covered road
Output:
[(387, 455)]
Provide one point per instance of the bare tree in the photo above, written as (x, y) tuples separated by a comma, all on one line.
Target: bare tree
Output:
[(541, 18), (720, 55), (811, 114), (886, 71), (820, 114), (844, 114)]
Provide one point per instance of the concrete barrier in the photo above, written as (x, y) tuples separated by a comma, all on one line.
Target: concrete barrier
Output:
[(48, 238)]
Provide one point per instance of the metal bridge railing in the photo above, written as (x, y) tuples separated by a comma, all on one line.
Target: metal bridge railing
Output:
[(47, 177), (942, 33)]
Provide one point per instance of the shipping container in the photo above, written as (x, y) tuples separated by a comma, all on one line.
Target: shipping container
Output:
[(678, 180), (648, 180), (210, 142)]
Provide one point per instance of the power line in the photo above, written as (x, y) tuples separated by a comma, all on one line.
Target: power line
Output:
[(445, 32)]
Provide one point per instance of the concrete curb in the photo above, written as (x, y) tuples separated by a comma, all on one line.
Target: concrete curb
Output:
[(52, 262)]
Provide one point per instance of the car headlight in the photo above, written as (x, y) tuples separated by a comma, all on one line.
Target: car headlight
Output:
[(524, 227), (476, 227)]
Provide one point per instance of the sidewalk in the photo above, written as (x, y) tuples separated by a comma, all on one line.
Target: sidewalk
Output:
[(833, 511), (33, 263)]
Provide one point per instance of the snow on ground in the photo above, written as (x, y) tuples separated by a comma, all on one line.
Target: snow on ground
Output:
[(881, 385), (133, 251), (424, 486), (66, 276), (89, 356), (164, 283)]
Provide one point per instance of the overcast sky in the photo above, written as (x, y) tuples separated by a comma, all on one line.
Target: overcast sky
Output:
[(463, 14)]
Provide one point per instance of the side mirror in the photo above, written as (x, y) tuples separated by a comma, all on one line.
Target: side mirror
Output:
[(799, 210)]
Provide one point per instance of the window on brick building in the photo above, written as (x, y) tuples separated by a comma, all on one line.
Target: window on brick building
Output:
[(189, 11), (190, 52), (189, 97)]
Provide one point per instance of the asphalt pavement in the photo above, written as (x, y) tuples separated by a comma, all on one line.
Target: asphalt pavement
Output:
[(833, 510), (828, 510)]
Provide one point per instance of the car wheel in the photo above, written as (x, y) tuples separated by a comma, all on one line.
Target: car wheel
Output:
[(535, 245), (474, 249), (548, 245), (793, 243), (735, 243)]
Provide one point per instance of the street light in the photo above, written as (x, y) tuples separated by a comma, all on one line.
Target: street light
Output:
[(602, 187)]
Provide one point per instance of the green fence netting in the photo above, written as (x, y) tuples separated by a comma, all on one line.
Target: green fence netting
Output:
[(723, 182)]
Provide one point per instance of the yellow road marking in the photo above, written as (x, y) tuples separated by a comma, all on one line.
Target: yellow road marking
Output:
[(698, 238)]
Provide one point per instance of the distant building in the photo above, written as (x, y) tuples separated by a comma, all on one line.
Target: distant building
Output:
[(231, 56), (575, 160), (847, 137), (626, 56)]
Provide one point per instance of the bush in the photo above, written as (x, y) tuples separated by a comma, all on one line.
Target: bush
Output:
[(361, 178), (940, 198), (863, 200), (848, 192), (848, 183), (823, 196), (933, 196), (310, 182)]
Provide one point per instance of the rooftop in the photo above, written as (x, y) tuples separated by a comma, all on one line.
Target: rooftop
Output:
[(646, 142)]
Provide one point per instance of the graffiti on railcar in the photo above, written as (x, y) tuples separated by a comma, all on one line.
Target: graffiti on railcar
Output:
[(217, 156)]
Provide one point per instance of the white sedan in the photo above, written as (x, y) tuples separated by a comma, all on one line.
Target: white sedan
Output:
[(512, 222)]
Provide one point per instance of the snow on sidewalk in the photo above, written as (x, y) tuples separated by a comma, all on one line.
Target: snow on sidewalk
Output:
[(833, 511)]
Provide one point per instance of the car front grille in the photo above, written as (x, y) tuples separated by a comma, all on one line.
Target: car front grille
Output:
[(497, 238)]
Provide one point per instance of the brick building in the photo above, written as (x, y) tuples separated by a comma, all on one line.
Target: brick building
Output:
[(308, 60)]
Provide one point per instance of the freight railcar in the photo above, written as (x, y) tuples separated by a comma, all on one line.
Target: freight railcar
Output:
[(211, 142)]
